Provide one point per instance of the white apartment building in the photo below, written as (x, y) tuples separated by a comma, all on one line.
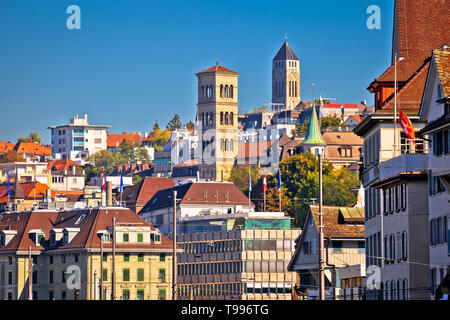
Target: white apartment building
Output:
[(435, 110), (78, 139)]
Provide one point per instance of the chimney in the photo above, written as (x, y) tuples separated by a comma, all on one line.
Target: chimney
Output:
[(198, 176), (73, 170), (109, 193)]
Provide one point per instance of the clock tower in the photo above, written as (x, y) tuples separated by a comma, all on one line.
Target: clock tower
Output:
[(286, 78)]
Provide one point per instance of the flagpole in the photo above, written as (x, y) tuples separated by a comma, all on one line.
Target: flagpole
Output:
[(279, 188)]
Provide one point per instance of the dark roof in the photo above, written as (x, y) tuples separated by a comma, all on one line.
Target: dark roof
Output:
[(144, 190), (285, 53), (94, 221), (197, 193)]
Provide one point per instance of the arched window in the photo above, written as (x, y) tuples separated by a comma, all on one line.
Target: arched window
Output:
[(226, 91), (221, 117), (231, 91), (221, 144), (211, 117), (226, 144), (232, 144), (211, 92), (231, 118), (226, 118), (221, 90)]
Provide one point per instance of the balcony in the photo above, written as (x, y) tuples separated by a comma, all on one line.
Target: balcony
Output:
[(404, 163)]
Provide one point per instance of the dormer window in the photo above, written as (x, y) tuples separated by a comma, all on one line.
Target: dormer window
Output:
[(55, 236), (37, 235), (69, 234), (104, 235), (155, 237)]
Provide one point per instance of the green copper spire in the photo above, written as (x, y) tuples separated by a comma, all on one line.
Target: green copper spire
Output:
[(313, 136)]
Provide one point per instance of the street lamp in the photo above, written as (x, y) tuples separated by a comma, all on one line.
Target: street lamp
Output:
[(395, 102)]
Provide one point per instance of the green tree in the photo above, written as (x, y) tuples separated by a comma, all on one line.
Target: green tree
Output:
[(33, 137), (160, 138), (102, 160), (332, 122), (301, 129), (175, 123), (300, 187), (136, 179), (239, 176), (11, 156), (190, 125), (131, 152)]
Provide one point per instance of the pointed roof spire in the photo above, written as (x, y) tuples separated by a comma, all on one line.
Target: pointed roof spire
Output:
[(314, 136), (17, 191), (285, 52)]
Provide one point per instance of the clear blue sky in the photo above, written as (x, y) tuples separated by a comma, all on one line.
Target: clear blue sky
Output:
[(134, 61)]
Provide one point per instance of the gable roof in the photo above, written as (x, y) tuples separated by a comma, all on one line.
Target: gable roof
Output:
[(342, 138), (141, 192), (94, 220), (198, 193), (409, 97), (334, 223), (113, 140), (285, 53), (62, 165), (32, 148), (6, 146)]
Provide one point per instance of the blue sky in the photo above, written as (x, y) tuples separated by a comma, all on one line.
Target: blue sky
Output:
[(134, 61)]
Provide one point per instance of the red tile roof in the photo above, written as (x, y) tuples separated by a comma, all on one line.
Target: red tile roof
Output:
[(140, 193), (6, 146), (253, 149), (114, 140), (32, 148), (422, 25), (28, 190), (409, 97), (339, 105), (61, 165), (217, 68)]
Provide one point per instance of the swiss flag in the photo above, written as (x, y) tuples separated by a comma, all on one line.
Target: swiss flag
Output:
[(407, 126), (265, 184), (103, 180)]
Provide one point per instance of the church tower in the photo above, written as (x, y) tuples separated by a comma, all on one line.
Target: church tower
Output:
[(286, 78), (217, 122)]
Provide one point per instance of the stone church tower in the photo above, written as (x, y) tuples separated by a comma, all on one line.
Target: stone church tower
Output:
[(217, 122), (286, 78)]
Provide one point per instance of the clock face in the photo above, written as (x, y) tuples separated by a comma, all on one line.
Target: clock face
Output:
[(292, 75)]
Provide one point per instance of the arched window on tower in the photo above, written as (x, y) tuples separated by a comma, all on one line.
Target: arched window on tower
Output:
[(221, 117), (296, 89), (226, 144), (211, 117), (231, 118), (226, 91), (221, 144), (221, 90), (226, 118), (232, 144), (231, 91), (212, 92)]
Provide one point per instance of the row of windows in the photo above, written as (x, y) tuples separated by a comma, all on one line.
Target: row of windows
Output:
[(207, 118), (236, 245), (441, 142), (140, 257), (226, 91), (140, 294), (139, 274), (228, 289), (227, 145), (209, 268), (435, 185), (293, 90), (372, 198), (372, 150), (434, 281), (395, 247), (373, 256), (396, 290), (394, 199), (226, 118), (281, 63), (279, 88), (438, 230)]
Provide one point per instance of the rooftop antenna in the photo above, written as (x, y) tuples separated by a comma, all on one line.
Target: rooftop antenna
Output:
[(285, 36), (217, 61)]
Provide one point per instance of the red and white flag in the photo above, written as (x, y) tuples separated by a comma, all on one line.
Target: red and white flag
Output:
[(265, 184), (407, 126), (103, 181)]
